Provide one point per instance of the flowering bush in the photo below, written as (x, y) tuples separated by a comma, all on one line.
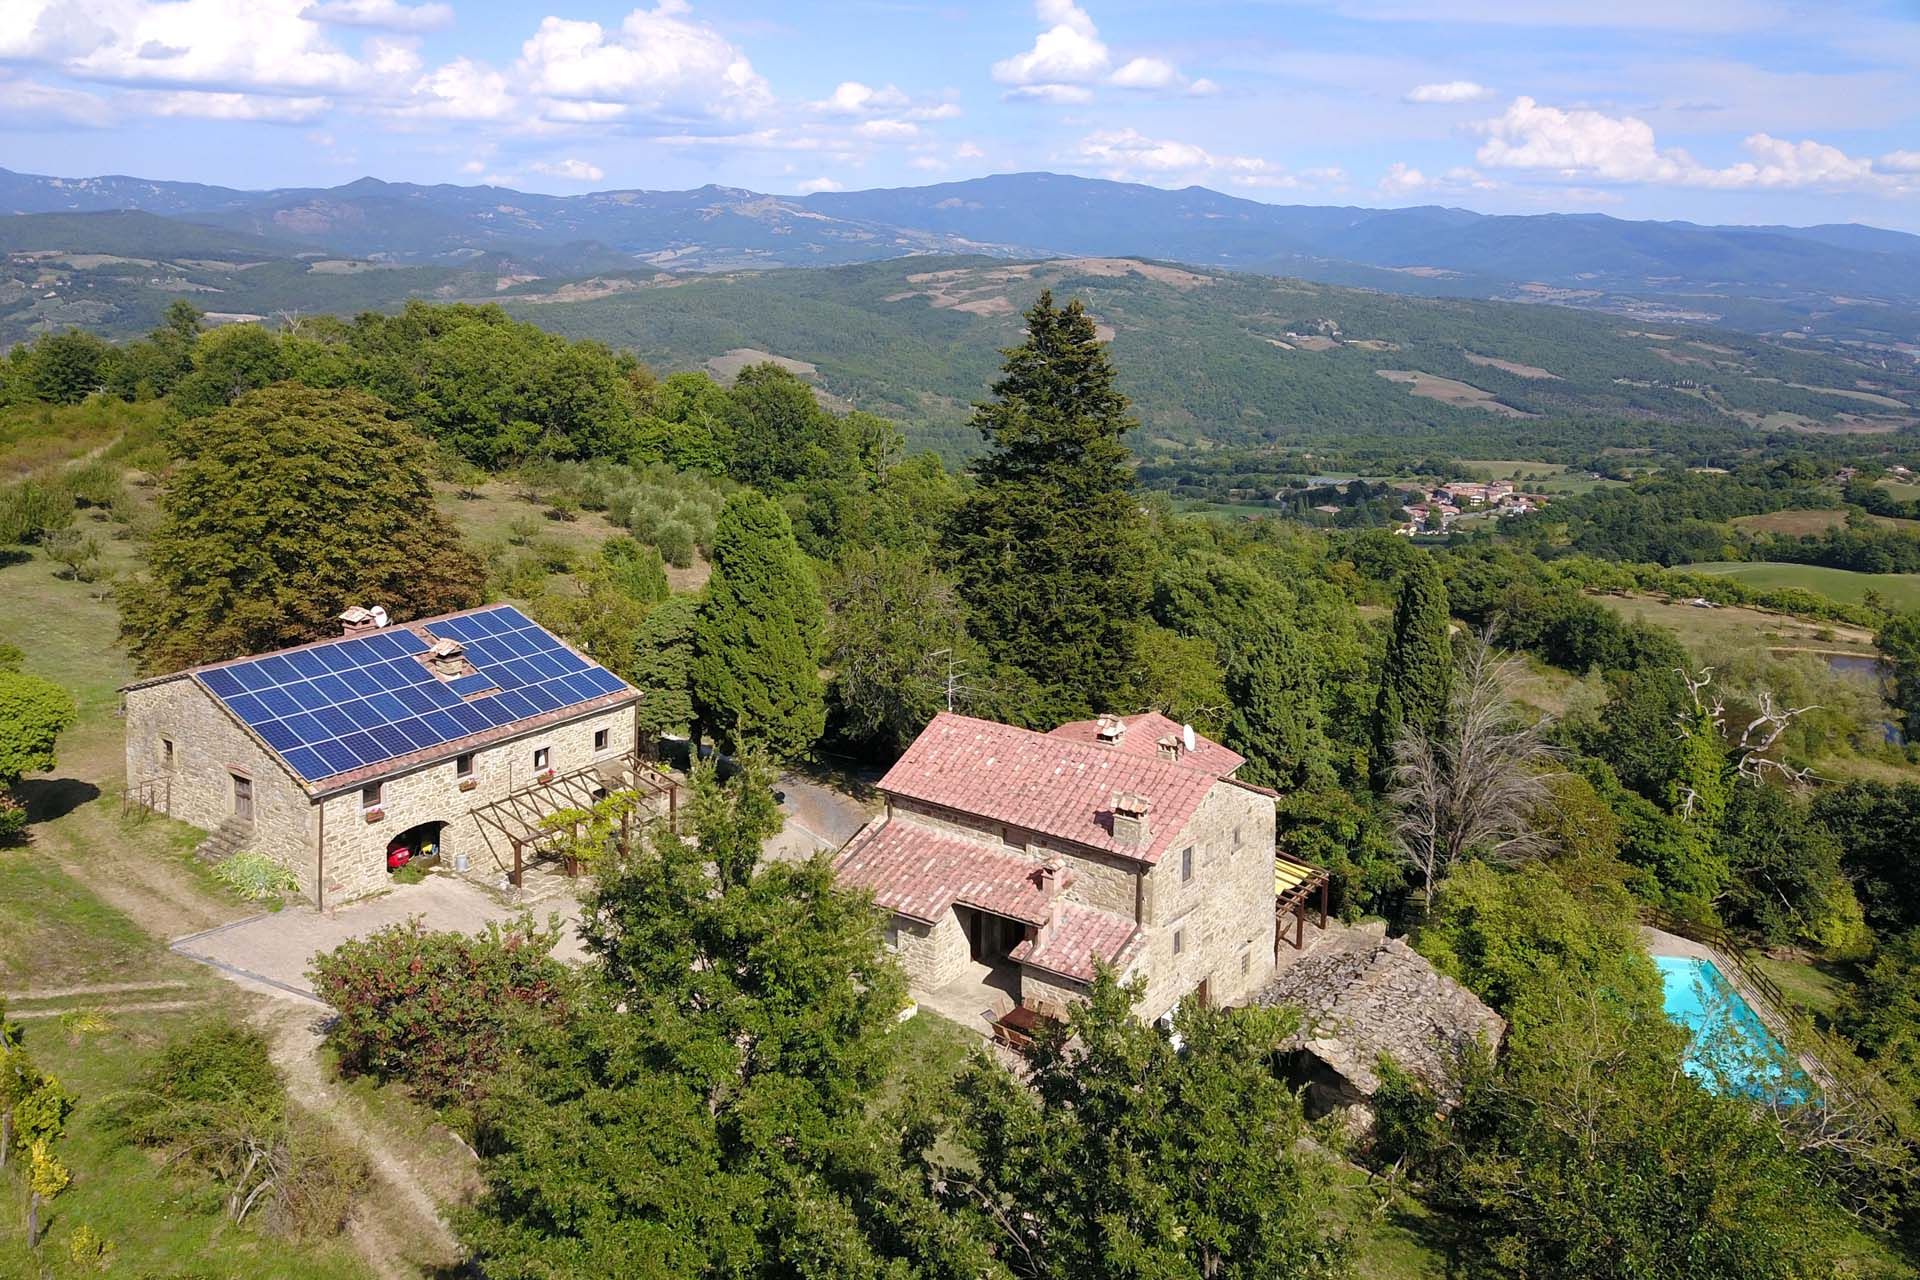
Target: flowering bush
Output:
[(436, 1010), (256, 877)]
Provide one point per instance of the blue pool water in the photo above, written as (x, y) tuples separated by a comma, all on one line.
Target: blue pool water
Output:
[(1731, 1045)]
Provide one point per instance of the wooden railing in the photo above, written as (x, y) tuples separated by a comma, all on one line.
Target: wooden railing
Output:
[(153, 793)]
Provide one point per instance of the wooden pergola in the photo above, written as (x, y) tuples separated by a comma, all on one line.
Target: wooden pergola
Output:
[(1294, 884), (521, 817)]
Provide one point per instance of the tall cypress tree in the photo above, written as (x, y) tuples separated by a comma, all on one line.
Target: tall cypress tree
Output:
[(1275, 718), (756, 647), (1418, 673), (1050, 550)]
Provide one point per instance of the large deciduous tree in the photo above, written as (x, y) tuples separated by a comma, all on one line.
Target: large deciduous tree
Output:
[(1275, 718), (1418, 674), (282, 510), (756, 649), (898, 648), (1050, 549), (1123, 1156)]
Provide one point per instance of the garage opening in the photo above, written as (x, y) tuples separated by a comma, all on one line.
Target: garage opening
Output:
[(420, 846)]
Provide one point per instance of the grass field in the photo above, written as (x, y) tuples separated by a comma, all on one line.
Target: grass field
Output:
[(1900, 489), (1796, 524), (1735, 628), (1902, 590)]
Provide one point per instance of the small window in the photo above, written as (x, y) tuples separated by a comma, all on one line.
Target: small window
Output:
[(1236, 839), (1246, 962), (1179, 941), (599, 739), (463, 765), (166, 752), (1186, 864), (542, 757), (370, 796)]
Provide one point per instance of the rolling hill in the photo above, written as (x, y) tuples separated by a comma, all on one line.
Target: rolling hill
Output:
[(1850, 283)]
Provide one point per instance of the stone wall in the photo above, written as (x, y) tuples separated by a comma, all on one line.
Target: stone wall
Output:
[(931, 955), (209, 749), (1223, 915), (356, 850), (1106, 881), (1049, 992)]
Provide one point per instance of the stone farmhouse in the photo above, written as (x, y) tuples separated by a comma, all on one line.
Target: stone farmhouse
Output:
[(1014, 860), (449, 736)]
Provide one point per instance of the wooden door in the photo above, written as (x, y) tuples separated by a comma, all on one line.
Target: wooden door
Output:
[(243, 798), (1203, 994)]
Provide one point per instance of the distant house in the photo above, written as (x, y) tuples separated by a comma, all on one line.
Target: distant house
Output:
[(1363, 997), (343, 758), (1018, 859)]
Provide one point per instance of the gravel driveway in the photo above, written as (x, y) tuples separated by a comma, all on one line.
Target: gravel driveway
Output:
[(272, 953)]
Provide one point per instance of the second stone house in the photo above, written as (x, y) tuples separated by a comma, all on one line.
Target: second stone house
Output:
[(1018, 859)]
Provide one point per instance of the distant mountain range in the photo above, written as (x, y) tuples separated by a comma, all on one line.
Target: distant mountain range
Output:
[(1850, 283)]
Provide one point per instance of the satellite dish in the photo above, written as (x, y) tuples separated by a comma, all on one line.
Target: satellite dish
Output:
[(1186, 736)]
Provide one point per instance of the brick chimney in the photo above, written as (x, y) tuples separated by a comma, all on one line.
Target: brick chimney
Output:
[(1130, 819), (359, 620), (448, 659), (1107, 730), (1054, 879), (1169, 746)]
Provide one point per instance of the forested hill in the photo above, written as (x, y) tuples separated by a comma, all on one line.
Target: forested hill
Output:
[(1214, 359)]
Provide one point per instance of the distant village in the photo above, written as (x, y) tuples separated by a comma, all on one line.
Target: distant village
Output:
[(1435, 509)]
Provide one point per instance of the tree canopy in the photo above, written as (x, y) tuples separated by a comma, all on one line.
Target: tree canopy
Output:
[(281, 511)]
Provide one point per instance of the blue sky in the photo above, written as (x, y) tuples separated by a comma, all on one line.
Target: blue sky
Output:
[(1713, 110)]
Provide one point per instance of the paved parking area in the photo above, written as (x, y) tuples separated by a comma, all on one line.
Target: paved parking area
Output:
[(272, 953), (818, 817)]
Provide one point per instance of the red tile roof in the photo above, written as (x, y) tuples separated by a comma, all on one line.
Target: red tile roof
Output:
[(1038, 782), (1142, 738), (1080, 934), (920, 872)]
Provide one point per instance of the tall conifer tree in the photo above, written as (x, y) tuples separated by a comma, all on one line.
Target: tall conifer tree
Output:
[(756, 648), (1050, 550), (1418, 675)]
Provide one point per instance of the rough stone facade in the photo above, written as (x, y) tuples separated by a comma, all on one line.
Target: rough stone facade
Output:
[(195, 783), (1215, 927)]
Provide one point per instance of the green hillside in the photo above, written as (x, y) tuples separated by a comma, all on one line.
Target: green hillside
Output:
[(1899, 590), (1218, 360)]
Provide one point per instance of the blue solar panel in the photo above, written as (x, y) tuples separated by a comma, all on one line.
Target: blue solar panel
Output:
[(367, 699), (307, 663)]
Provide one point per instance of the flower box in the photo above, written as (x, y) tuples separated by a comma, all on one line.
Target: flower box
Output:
[(545, 776), (375, 814), (468, 784)]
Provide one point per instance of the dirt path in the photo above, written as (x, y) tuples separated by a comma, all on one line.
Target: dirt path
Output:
[(398, 1228)]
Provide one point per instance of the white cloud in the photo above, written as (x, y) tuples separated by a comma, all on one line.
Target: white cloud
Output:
[(1202, 88), (28, 103), (811, 185), (202, 105), (474, 166), (968, 151), (570, 169), (388, 15), (1070, 95), (887, 130), (851, 98), (1068, 56), (205, 44), (1449, 91), (462, 90), (1586, 144), (1899, 162), (1146, 73), (1128, 154), (659, 61), (1405, 180)]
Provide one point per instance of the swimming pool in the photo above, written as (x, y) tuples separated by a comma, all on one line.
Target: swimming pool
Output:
[(1731, 1046)]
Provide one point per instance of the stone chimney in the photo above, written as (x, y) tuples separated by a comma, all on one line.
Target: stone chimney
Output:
[(1107, 730), (448, 660), (1130, 819), (359, 620), (1169, 745), (1054, 879)]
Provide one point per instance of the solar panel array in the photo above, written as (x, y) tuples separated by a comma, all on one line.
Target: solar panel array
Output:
[(369, 699)]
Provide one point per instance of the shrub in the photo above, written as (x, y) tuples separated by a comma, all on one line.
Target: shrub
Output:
[(32, 508), (214, 1101), (438, 1010), (675, 543), (257, 878)]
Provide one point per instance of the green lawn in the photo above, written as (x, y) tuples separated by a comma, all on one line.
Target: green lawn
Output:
[(1810, 985), (1902, 590)]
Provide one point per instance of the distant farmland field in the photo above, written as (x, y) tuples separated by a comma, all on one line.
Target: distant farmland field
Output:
[(1899, 589)]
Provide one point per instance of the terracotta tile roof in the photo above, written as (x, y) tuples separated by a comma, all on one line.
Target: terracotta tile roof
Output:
[(920, 872), (1142, 738), (1077, 936), (1039, 782)]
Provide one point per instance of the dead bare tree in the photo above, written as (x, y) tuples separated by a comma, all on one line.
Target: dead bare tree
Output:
[(1747, 756), (1474, 785)]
